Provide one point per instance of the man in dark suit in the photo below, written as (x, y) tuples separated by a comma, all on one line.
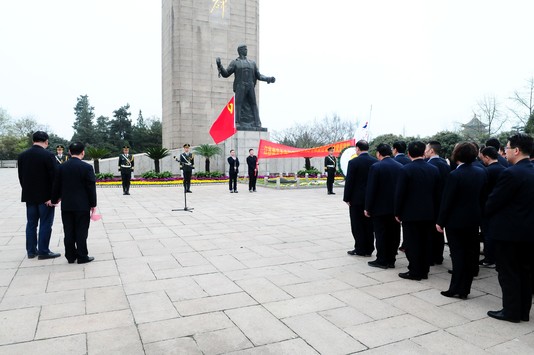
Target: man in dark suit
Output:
[(495, 143), (416, 197), (399, 152), (437, 241), (233, 171), (75, 187), (511, 221), (36, 167), (379, 200), (330, 166), (252, 164), (354, 196), (489, 157)]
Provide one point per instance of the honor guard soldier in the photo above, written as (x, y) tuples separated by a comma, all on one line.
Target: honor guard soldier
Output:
[(126, 166), (330, 165), (187, 164), (60, 157)]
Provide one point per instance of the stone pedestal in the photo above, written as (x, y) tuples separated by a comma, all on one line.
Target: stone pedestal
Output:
[(241, 142)]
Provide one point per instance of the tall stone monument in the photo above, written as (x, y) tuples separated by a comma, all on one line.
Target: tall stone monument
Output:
[(194, 33)]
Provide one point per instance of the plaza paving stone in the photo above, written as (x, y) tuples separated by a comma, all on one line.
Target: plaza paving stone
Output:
[(247, 273)]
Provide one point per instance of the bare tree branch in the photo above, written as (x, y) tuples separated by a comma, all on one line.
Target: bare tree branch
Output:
[(523, 102), (490, 114)]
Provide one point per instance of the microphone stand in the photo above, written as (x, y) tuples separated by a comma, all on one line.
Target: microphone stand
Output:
[(185, 209)]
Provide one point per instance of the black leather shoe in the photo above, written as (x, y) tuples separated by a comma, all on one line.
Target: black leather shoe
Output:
[(235, 191), (86, 260), (500, 316), (189, 191), (50, 255), (331, 193), (525, 318), (452, 294), (352, 252), (449, 271), (375, 263), (391, 266), (71, 261), (31, 256), (408, 276), (127, 193)]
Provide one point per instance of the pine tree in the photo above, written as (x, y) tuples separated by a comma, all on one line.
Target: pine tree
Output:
[(83, 123)]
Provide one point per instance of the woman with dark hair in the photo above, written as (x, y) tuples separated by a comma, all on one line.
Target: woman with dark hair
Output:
[(460, 215)]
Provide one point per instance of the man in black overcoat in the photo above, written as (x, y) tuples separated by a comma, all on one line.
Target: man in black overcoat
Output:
[(354, 196), (511, 221), (416, 198)]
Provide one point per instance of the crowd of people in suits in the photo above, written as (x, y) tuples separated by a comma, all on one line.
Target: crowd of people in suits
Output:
[(477, 195)]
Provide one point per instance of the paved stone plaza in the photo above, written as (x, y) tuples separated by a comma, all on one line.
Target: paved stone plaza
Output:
[(260, 273)]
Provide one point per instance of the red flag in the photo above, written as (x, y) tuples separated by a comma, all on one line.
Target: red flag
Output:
[(224, 126)]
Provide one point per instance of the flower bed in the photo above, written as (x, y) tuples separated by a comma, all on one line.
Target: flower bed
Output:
[(285, 182), (161, 182)]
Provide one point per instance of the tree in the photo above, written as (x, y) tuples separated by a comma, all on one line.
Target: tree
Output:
[(101, 130), (384, 138), (156, 154), (5, 122), (140, 133), (24, 127), (83, 122), (490, 114), (121, 126), (523, 102), (309, 135), (96, 154), (11, 146), (207, 151), (529, 127)]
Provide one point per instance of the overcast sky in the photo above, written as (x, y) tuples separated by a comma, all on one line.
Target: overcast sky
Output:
[(421, 65)]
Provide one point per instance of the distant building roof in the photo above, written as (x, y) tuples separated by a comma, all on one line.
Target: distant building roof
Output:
[(474, 127)]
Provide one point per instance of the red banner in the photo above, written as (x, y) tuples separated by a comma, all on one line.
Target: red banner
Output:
[(274, 150)]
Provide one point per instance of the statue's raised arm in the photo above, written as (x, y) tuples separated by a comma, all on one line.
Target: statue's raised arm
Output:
[(246, 73)]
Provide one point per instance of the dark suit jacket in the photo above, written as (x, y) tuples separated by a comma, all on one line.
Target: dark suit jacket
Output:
[(356, 180), (402, 158), (463, 198), (417, 192), (36, 168), (502, 160), (443, 168), (75, 184), (494, 171), (234, 163), (252, 162), (381, 184), (509, 206)]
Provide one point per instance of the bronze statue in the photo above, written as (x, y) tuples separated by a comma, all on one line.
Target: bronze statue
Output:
[(246, 74)]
